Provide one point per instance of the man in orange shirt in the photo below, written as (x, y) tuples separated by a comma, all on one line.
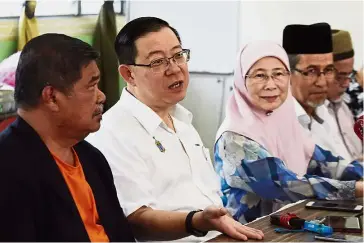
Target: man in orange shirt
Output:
[(55, 186)]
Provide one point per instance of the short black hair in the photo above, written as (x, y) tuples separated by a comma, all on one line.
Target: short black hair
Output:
[(50, 59), (294, 59), (125, 41)]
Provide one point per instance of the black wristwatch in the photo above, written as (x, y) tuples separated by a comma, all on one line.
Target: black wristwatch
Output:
[(190, 229)]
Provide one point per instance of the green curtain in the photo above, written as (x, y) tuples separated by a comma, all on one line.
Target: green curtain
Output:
[(104, 37), (28, 25)]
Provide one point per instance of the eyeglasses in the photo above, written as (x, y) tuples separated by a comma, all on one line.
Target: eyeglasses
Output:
[(314, 73), (261, 77), (341, 77), (162, 64)]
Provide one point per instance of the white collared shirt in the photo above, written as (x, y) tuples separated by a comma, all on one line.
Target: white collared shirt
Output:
[(150, 166), (344, 121), (322, 130), (303, 118)]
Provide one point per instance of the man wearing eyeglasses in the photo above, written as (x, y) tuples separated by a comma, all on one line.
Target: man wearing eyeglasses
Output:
[(347, 78), (338, 109), (163, 174), (309, 48)]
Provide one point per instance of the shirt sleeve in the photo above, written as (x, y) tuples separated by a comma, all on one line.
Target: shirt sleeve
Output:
[(130, 172), (325, 164), (249, 174)]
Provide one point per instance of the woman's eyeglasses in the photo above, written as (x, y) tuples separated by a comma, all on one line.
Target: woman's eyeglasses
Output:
[(263, 77)]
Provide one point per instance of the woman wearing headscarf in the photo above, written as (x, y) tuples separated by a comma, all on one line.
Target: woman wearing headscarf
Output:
[(263, 156)]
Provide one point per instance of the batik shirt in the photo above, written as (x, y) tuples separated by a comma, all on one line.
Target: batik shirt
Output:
[(354, 98), (254, 183)]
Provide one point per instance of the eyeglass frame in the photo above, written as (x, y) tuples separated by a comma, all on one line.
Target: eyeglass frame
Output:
[(288, 73), (302, 72), (347, 75), (187, 51)]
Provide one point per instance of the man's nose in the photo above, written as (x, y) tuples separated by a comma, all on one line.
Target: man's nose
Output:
[(101, 97), (173, 67), (346, 83), (321, 81)]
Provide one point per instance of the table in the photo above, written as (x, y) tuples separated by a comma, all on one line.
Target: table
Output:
[(300, 210)]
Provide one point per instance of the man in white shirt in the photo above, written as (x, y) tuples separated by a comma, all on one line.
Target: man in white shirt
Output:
[(309, 49), (321, 128), (163, 174), (336, 100)]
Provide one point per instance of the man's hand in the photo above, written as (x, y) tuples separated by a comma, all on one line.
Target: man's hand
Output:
[(214, 218), (359, 189)]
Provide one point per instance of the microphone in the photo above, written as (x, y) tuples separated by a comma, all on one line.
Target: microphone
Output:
[(291, 221), (288, 220), (358, 127)]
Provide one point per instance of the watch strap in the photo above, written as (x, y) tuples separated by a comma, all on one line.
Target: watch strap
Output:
[(189, 227)]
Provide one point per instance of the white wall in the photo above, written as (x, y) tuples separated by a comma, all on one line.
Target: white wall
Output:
[(208, 28), (204, 99), (265, 20)]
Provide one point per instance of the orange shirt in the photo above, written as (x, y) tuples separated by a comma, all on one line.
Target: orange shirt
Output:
[(83, 197)]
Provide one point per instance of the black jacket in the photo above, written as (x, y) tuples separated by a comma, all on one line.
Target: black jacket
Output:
[(35, 203)]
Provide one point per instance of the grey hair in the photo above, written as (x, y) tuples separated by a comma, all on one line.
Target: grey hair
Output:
[(294, 59)]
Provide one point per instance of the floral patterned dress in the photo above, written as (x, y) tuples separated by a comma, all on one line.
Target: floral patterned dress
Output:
[(254, 183)]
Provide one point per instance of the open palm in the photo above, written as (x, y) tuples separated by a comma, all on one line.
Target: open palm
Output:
[(220, 221)]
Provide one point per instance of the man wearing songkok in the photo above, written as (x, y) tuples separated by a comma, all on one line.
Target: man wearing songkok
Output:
[(309, 48), (349, 78), (337, 98)]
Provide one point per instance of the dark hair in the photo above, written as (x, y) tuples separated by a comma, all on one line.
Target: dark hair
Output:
[(50, 59), (125, 41), (294, 59)]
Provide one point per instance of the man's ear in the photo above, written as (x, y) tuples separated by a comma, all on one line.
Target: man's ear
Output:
[(127, 74), (50, 98)]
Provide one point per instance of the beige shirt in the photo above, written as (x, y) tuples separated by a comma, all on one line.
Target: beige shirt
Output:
[(344, 121)]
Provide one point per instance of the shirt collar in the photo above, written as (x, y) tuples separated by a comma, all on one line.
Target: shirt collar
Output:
[(334, 105), (303, 117), (146, 116), (318, 117), (301, 114), (327, 103), (330, 105)]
